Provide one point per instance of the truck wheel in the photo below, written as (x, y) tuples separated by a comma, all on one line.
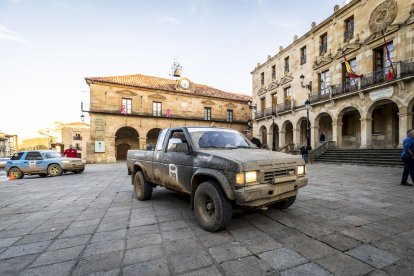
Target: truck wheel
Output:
[(15, 173), (54, 170), (284, 204), (142, 189), (212, 209)]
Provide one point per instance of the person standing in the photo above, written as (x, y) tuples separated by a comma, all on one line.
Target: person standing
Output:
[(252, 139), (407, 156), (322, 138), (303, 152), (71, 152)]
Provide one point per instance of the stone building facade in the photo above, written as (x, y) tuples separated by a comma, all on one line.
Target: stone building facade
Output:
[(76, 134), (128, 112), (8, 144), (371, 110)]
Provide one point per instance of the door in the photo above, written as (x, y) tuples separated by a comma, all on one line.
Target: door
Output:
[(121, 151), (177, 166), (33, 162)]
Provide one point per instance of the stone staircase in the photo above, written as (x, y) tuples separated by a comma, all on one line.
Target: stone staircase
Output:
[(372, 157)]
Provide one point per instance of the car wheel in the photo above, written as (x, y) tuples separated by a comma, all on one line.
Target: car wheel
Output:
[(15, 173), (285, 203), (142, 189), (42, 174), (213, 211), (54, 170)]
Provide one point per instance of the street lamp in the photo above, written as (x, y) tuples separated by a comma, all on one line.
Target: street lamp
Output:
[(273, 131), (82, 118), (249, 123), (251, 106), (307, 105)]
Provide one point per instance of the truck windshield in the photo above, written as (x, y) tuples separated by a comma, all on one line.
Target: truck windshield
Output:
[(218, 138)]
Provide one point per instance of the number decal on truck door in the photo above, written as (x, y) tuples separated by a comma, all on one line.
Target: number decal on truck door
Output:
[(173, 171)]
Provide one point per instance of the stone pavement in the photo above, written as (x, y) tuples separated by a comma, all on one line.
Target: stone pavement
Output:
[(350, 220)]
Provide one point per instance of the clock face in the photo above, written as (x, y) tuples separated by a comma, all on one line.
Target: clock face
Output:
[(185, 84)]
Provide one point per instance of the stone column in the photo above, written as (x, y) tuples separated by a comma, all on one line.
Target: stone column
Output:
[(142, 143), (282, 140), (296, 137), (337, 134), (405, 123), (110, 149), (366, 133), (314, 133)]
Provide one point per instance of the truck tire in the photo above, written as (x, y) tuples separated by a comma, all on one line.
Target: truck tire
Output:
[(142, 189), (284, 204), (213, 211)]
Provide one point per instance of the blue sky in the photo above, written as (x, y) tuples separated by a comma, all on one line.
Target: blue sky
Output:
[(47, 47)]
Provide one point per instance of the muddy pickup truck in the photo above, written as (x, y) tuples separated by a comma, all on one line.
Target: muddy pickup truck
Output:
[(220, 169)]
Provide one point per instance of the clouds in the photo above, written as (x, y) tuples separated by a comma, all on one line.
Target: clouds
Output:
[(169, 19), (6, 34)]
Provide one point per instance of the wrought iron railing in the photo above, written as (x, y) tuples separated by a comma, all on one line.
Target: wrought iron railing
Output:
[(327, 145), (406, 68), (77, 137), (316, 97), (344, 88), (284, 106), (259, 114), (379, 76)]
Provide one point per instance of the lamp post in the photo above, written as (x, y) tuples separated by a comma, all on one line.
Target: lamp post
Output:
[(273, 131), (82, 118), (307, 105)]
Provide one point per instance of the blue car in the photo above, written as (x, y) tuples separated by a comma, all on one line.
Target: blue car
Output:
[(42, 163)]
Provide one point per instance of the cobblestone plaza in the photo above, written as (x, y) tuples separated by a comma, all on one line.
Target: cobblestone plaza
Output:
[(356, 221)]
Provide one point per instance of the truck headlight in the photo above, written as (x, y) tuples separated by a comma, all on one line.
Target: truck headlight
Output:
[(301, 170), (246, 178)]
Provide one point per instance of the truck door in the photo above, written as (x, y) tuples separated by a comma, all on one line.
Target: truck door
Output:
[(177, 164), (157, 164), (33, 162)]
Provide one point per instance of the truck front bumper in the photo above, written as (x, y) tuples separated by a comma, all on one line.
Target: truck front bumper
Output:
[(73, 166), (263, 194)]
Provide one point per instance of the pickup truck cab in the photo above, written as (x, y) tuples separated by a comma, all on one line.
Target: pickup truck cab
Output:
[(220, 169)]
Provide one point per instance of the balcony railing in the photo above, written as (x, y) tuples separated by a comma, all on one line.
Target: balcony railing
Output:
[(259, 114), (284, 106), (379, 76), (77, 138), (343, 88)]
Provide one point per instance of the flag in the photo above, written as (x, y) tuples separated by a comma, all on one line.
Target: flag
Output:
[(123, 109), (349, 72), (390, 75)]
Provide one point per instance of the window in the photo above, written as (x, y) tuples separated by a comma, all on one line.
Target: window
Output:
[(324, 80), (126, 106), (349, 83), (77, 136), (349, 29), (17, 156), (262, 103), (303, 55), (156, 109), (382, 63), (323, 44), (161, 139), (288, 93), (229, 115), (274, 101), (273, 72), (207, 113), (262, 78), (287, 65), (176, 137), (33, 155)]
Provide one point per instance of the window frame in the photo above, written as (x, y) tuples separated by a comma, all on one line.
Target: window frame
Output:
[(156, 109), (287, 65), (303, 55), (349, 32), (207, 113), (326, 89), (128, 105), (323, 44), (230, 115)]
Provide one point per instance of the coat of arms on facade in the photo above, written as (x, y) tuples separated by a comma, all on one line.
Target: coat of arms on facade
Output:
[(381, 19)]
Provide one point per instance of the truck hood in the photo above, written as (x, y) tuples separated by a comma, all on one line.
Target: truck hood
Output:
[(255, 159)]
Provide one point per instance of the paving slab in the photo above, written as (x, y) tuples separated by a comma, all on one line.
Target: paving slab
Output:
[(371, 255), (308, 269), (250, 265), (281, 259)]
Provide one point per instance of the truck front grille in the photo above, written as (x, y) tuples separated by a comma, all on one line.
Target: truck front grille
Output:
[(270, 176)]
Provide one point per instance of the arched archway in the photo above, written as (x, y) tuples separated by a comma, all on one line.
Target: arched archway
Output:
[(125, 138), (274, 136), (350, 118), (324, 131), (263, 135), (384, 125), (304, 131), (287, 127), (152, 136)]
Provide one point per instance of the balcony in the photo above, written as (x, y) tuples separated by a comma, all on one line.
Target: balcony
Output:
[(77, 137), (378, 77), (259, 114), (286, 106)]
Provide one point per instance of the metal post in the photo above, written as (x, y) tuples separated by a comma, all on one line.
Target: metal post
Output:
[(273, 138), (307, 128)]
